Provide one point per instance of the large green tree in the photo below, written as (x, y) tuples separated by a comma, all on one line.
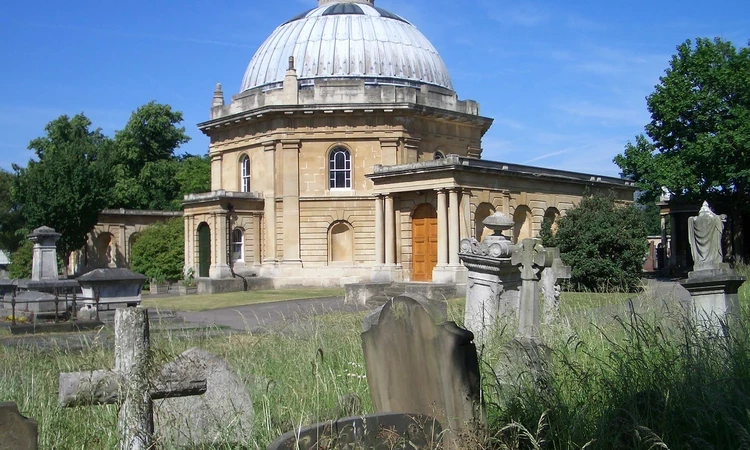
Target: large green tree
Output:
[(159, 251), (144, 163), (12, 225), (68, 184), (698, 140)]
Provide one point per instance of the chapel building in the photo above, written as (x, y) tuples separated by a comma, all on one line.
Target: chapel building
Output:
[(347, 156)]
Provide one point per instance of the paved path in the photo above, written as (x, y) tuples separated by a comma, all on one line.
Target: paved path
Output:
[(264, 316)]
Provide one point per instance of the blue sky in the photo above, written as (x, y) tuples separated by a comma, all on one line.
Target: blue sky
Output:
[(565, 81)]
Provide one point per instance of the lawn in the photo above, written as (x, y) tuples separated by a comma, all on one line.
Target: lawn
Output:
[(232, 299)]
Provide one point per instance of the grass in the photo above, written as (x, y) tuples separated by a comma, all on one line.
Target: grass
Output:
[(628, 382), (232, 299)]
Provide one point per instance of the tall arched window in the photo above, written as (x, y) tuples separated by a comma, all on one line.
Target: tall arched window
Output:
[(245, 173), (340, 169), (238, 245)]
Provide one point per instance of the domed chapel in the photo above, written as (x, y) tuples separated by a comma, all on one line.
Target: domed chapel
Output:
[(347, 156)]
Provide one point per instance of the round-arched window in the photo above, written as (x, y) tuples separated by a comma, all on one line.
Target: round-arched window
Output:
[(245, 173), (339, 169)]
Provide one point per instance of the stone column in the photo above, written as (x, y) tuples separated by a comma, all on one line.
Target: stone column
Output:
[(220, 269), (390, 232), (123, 245), (257, 239), (269, 205), (442, 219), (290, 153), (379, 232), (453, 224)]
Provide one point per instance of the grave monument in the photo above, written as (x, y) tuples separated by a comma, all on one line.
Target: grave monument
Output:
[(712, 284)]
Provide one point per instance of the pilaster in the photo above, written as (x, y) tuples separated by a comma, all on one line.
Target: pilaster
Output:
[(269, 204), (290, 155)]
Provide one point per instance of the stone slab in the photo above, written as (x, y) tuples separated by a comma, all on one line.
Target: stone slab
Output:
[(419, 363), (388, 431), (224, 414), (16, 431)]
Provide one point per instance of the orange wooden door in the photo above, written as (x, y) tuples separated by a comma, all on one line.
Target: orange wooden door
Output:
[(424, 243)]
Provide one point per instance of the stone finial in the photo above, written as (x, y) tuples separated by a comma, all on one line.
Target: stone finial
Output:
[(44, 234), (291, 63), (218, 96)]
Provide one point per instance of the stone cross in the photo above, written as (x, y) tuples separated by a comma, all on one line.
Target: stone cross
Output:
[(532, 258), (550, 289), (129, 384)]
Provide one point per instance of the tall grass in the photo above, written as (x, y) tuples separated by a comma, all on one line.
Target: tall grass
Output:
[(296, 378), (642, 380)]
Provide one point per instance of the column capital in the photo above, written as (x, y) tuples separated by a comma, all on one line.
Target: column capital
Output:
[(269, 146), (291, 144)]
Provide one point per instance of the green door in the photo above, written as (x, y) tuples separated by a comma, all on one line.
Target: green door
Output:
[(204, 249)]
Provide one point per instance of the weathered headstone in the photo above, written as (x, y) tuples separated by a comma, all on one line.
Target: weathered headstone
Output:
[(16, 431), (384, 431), (130, 383), (550, 288), (223, 414), (493, 282), (712, 284), (526, 354), (417, 363)]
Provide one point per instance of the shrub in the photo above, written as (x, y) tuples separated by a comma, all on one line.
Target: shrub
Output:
[(159, 251), (20, 261), (603, 242)]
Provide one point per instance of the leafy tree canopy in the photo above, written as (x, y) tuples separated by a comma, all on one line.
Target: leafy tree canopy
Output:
[(698, 140), (12, 225), (69, 184), (604, 242), (145, 166), (193, 176), (159, 251)]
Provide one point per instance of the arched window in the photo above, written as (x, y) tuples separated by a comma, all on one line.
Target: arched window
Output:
[(340, 169), (341, 243), (438, 155), (245, 173), (238, 245)]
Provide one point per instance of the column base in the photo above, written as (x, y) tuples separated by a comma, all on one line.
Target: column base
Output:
[(450, 274), (219, 272), (386, 274)]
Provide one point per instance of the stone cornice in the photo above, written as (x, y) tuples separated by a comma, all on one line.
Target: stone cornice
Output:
[(343, 109)]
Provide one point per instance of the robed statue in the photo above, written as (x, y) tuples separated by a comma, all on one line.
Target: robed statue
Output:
[(704, 233)]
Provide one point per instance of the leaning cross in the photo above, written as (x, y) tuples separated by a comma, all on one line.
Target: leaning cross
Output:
[(532, 258), (129, 383)]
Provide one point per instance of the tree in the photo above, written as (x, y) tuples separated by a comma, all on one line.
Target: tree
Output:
[(698, 143), (144, 162), (68, 186), (12, 225), (604, 242), (21, 260), (193, 176), (159, 251)]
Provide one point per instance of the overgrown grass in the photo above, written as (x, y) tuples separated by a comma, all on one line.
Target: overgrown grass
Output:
[(232, 299), (636, 381)]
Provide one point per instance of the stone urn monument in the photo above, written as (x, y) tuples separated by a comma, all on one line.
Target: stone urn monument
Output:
[(44, 259), (493, 284)]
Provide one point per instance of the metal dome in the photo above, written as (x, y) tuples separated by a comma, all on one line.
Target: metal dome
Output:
[(348, 40)]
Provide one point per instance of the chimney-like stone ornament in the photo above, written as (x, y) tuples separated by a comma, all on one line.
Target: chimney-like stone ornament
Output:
[(326, 2), (218, 96)]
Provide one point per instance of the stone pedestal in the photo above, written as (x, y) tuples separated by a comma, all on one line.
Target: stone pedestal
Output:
[(44, 259), (714, 295)]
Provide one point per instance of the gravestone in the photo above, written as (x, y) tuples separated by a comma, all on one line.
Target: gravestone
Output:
[(131, 384), (712, 284), (493, 282), (418, 363), (384, 431), (16, 431), (526, 355), (550, 288), (223, 414)]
